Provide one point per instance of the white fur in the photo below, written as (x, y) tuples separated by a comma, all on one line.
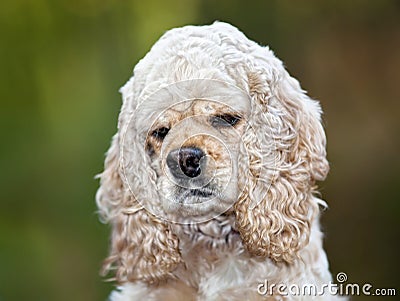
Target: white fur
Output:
[(213, 260)]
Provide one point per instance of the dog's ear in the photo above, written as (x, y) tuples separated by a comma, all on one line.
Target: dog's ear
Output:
[(285, 145), (143, 248)]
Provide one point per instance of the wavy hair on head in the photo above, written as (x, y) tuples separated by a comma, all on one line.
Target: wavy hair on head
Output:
[(286, 155), (143, 248)]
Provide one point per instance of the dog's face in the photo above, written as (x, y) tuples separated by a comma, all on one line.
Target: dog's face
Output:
[(193, 147)]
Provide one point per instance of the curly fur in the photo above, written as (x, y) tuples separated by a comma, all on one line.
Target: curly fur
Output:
[(271, 231)]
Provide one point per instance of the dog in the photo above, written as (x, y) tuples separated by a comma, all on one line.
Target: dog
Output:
[(210, 183)]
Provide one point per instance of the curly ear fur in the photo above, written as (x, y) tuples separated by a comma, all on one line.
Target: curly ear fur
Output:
[(286, 157), (142, 246)]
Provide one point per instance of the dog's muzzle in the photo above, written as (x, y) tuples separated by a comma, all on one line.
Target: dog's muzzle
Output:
[(186, 162)]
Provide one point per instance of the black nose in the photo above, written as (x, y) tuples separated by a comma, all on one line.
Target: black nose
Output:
[(185, 161)]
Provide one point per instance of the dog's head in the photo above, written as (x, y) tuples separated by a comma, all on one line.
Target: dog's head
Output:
[(211, 122), (192, 144)]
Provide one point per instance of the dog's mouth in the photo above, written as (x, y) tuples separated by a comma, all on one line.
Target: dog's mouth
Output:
[(194, 195), (203, 193), (196, 204)]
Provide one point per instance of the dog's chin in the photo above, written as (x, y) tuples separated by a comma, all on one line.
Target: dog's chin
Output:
[(196, 205)]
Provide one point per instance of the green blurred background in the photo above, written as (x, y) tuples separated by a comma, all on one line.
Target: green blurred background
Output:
[(62, 63)]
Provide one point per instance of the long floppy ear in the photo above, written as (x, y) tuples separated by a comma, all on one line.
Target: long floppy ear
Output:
[(285, 146), (143, 248)]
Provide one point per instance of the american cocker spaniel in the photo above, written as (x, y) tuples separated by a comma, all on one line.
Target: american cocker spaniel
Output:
[(210, 181)]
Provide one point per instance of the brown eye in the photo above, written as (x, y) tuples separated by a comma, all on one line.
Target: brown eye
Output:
[(160, 133), (225, 120)]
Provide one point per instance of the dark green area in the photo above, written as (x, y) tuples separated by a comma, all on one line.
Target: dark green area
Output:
[(61, 64)]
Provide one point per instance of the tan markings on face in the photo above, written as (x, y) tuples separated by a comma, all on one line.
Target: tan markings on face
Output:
[(183, 110), (210, 146), (166, 120), (210, 109), (204, 107)]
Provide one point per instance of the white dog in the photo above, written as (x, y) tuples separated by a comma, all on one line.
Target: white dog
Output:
[(210, 181)]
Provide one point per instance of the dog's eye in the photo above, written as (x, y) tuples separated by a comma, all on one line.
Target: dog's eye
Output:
[(160, 133), (225, 120)]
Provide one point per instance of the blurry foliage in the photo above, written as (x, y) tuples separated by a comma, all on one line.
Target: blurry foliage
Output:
[(62, 63)]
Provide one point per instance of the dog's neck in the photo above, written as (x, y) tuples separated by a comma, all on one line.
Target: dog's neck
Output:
[(219, 231), (203, 245)]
